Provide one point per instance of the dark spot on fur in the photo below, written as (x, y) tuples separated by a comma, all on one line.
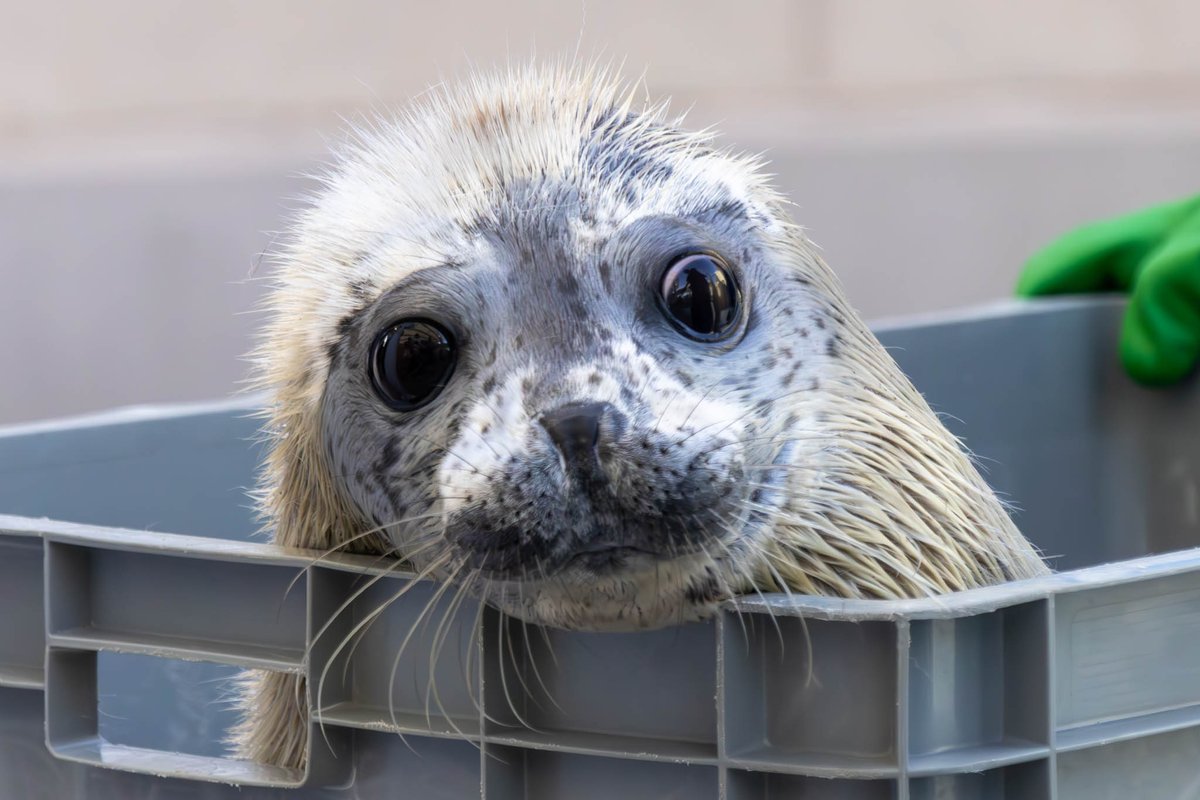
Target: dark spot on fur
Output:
[(568, 285), (760, 217), (360, 290), (610, 155), (706, 591), (819, 321), (489, 385), (734, 209), (833, 347), (388, 456), (605, 270)]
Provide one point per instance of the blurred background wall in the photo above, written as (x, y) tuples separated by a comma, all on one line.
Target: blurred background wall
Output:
[(149, 150)]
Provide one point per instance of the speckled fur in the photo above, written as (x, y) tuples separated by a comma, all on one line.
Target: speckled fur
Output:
[(534, 211)]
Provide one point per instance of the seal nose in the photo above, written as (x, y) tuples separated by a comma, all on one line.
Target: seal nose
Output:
[(575, 430)]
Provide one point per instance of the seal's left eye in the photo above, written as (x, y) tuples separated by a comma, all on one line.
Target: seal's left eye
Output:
[(699, 294), (411, 362)]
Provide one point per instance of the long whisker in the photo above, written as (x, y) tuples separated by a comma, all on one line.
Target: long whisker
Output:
[(346, 661), (500, 629), (471, 677), (357, 537), (370, 618), (531, 657), (420, 624), (440, 637)]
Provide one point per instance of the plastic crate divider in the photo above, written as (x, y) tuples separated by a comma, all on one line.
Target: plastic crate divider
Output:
[(23, 641), (372, 674), (246, 614), (516, 773), (1154, 766), (388, 765), (1125, 660), (810, 696), (746, 785), (978, 690), (1030, 780), (602, 692), (167, 606)]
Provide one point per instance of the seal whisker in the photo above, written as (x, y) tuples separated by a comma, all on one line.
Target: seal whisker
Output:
[(753, 584), (472, 675), (531, 658), (360, 628), (810, 672), (418, 625), (440, 637), (500, 645), (369, 532)]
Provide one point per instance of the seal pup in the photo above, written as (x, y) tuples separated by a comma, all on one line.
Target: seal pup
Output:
[(535, 339)]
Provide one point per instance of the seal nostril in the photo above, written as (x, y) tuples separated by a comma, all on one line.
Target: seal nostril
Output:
[(575, 431)]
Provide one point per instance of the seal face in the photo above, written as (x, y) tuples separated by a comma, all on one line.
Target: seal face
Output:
[(541, 342), (596, 457), (536, 340)]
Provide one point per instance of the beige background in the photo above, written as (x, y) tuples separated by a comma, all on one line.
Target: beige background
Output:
[(149, 149)]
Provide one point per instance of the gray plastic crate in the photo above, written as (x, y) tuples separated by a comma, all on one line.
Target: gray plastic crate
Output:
[(117, 638)]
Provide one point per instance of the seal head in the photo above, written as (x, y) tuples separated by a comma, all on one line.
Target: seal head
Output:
[(535, 339)]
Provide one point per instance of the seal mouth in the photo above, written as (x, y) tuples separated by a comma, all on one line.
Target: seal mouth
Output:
[(610, 557)]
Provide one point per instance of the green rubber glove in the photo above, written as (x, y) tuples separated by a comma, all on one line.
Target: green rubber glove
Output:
[(1154, 255)]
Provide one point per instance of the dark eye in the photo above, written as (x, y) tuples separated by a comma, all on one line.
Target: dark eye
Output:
[(411, 362), (700, 296)]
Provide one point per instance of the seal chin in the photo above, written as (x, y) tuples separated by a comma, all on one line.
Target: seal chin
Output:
[(643, 591), (603, 559)]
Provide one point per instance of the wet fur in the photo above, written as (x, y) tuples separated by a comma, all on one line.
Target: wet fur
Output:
[(531, 206)]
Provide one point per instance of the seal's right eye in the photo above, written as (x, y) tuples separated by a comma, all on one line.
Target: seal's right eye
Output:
[(700, 296), (411, 362)]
